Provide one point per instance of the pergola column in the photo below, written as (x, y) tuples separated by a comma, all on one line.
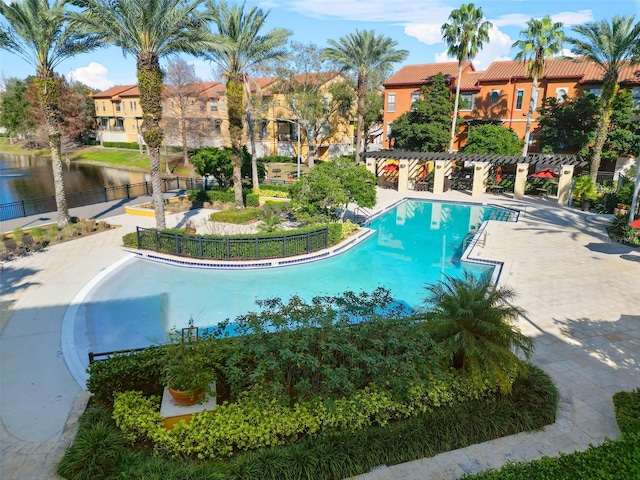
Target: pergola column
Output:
[(564, 184), (371, 165), (480, 175), (438, 176), (522, 170), (403, 176)]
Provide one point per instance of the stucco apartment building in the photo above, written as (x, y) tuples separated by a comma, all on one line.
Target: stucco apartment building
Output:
[(119, 118), (501, 93)]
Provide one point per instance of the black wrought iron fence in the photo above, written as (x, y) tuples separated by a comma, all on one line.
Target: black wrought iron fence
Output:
[(233, 248), (37, 206)]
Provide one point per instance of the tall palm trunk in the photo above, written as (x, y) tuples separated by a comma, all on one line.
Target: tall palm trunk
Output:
[(362, 93), (235, 89), (150, 87), (532, 107), (609, 90), (48, 96), (454, 120), (255, 181)]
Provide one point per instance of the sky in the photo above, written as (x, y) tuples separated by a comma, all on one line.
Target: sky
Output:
[(414, 24)]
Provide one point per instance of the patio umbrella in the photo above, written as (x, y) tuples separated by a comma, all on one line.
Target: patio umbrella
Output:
[(391, 168), (635, 223), (545, 173)]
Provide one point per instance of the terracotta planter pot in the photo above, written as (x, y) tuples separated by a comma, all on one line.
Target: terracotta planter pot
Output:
[(190, 397)]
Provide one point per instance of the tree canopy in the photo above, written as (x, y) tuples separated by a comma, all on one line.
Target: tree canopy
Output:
[(325, 193), (426, 127), (492, 139)]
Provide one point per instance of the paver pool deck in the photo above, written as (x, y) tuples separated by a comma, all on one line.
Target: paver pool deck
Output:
[(581, 293)]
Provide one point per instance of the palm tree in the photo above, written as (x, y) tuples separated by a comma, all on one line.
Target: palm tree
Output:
[(610, 46), (464, 36), (541, 39), (365, 54), (148, 30), (244, 49), (40, 34), (471, 319)]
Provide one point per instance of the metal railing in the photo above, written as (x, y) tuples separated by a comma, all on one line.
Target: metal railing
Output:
[(233, 248), (37, 206)]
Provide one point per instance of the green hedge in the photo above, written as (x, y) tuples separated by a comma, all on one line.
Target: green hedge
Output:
[(128, 145), (275, 188), (340, 454), (136, 371), (627, 405), (224, 195), (278, 159), (237, 216), (613, 459)]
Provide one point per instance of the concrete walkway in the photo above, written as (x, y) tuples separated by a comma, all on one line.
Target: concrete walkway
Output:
[(580, 291)]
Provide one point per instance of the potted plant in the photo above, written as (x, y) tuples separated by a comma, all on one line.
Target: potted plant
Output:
[(584, 192), (190, 367)]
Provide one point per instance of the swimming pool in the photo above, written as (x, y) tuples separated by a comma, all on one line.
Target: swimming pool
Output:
[(414, 244)]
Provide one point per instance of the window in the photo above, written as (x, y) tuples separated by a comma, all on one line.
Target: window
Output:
[(104, 107), (119, 124), (415, 96), (593, 91), (467, 101), (494, 96), (213, 106), (203, 107), (561, 93), (635, 96), (133, 106), (217, 127), (223, 105), (117, 104), (97, 107), (391, 102), (519, 98), (389, 131), (326, 130)]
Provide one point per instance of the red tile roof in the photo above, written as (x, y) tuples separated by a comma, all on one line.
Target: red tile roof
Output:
[(113, 91), (469, 82), (421, 74)]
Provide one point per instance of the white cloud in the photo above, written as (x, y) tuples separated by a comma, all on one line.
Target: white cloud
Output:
[(518, 19), (497, 48), (573, 18), (428, 33), (94, 75)]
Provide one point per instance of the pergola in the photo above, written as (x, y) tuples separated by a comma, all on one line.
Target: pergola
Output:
[(409, 162)]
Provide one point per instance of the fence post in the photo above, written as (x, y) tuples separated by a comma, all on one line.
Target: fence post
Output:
[(200, 250), (257, 252), (24, 210), (157, 242), (177, 239), (228, 249), (138, 236), (106, 195), (308, 242), (127, 189), (284, 245)]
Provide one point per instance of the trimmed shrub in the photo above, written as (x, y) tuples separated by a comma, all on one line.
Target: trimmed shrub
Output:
[(627, 405), (278, 159), (274, 188), (121, 372), (237, 216), (128, 145), (252, 200)]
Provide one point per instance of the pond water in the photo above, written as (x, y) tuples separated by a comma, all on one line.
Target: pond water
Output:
[(24, 177)]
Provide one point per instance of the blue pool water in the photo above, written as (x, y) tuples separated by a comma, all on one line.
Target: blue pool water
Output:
[(414, 244)]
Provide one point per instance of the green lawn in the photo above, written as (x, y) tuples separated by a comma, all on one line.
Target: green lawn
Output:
[(115, 157)]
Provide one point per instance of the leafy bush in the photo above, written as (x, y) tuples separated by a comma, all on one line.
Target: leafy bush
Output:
[(268, 192), (606, 202), (627, 405), (359, 427), (330, 347), (122, 372), (252, 200), (274, 188), (128, 145), (620, 230)]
